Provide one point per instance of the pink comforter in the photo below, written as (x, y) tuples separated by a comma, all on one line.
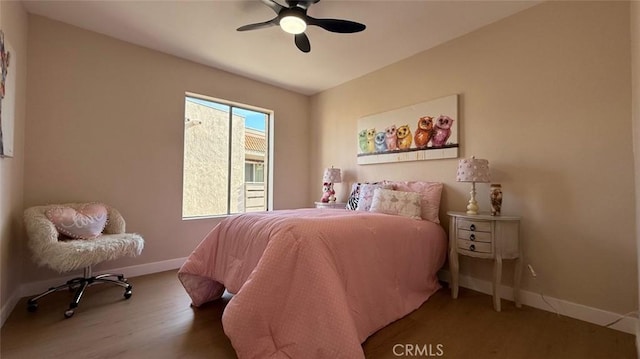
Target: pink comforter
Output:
[(314, 283)]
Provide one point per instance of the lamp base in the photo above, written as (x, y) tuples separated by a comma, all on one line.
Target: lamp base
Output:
[(472, 206)]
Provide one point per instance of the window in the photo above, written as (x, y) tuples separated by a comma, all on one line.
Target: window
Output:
[(254, 172), (226, 158)]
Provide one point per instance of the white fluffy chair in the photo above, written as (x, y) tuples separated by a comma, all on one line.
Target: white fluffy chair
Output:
[(69, 255)]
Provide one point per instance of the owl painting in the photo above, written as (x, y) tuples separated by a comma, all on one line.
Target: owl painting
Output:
[(362, 141), (391, 138), (442, 130), (404, 137), (371, 134), (381, 143), (424, 131)]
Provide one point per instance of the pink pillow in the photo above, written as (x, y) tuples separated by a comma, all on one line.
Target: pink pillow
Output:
[(430, 193), (87, 222)]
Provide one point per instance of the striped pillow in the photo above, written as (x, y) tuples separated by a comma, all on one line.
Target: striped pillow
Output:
[(352, 202)]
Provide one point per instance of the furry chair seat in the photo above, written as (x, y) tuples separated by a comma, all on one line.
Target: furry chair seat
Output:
[(68, 255)]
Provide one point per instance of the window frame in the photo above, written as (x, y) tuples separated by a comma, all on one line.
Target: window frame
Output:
[(267, 164)]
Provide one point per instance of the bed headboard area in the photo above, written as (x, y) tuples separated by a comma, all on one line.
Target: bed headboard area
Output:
[(419, 199)]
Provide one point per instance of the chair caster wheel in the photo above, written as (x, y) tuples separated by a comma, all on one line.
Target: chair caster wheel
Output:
[(32, 306), (127, 292), (69, 313)]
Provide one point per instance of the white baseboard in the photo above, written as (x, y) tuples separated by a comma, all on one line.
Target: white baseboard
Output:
[(562, 307), (7, 308), (638, 338), (33, 288), (149, 268)]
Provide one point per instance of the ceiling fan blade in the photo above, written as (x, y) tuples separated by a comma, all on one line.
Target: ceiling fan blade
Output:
[(336, 25), (303, 4), (259, 25), (273, 5), (302, 42)]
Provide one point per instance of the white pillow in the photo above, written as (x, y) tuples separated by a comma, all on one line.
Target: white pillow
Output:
[(85, 222), (429, 191), (399, 203), (366, 194)]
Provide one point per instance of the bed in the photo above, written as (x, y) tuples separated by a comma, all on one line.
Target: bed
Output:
[(314, 283)]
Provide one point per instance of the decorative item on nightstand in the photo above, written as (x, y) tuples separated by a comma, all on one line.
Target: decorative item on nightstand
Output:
[(473, 170), (495, 195), (331, 176)]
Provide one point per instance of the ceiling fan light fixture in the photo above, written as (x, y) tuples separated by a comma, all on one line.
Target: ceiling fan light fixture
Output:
[(293, 24), (293, 19)]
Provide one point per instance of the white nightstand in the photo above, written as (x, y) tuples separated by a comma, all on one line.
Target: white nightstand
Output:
[(336, 205), (489, 237)]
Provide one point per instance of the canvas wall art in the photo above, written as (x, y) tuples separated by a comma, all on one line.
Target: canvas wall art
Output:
[(7, 97), (425, 131)]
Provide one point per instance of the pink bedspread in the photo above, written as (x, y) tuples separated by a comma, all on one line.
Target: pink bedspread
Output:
[(314, 283)]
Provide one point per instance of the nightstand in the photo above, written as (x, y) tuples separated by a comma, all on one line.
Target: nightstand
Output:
[(335, 205), (488, 237)]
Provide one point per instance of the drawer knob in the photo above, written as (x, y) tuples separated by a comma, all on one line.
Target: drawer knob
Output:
[(472, 227), (472, 247), (472, 237)]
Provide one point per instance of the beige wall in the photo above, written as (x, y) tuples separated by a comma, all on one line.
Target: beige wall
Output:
[(106, 122), (545, 97), (13, 21)]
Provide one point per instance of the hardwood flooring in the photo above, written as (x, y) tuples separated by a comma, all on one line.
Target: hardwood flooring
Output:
[(157, 322)]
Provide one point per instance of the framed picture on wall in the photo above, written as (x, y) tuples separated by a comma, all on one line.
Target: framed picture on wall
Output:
[(424, 131), (7, 97)]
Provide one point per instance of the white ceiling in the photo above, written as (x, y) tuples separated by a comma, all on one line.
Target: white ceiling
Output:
[(205, 32)]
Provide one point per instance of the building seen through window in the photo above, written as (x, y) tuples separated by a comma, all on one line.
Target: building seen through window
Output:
[(226, 151)]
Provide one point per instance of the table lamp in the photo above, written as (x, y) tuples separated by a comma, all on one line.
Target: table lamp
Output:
[(331, 176), (473, 170)]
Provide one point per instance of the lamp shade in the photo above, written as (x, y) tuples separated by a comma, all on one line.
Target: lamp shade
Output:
[(332, 175), (473, 170)]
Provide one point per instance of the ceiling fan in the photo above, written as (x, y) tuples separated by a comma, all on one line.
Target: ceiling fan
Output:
[(294, 20)]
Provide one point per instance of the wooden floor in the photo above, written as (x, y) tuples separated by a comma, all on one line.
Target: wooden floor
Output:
[(157, 322)]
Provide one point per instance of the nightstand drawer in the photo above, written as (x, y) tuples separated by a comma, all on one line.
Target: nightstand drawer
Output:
[(474, 236), (479, 247), (474, 226)]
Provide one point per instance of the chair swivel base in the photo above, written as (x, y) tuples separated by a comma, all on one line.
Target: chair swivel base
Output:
[(80, 284)]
